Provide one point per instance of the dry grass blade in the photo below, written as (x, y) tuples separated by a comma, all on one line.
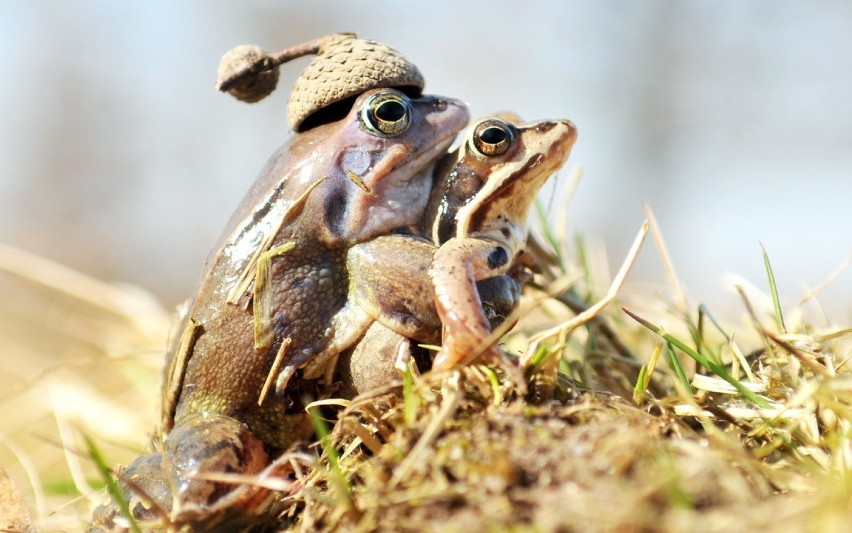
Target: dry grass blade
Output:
[(812, 293), (452, 396), (264, 482), (674, 283), (592, 311), (272, 376), (773, 291), (138, 309), (262, 304)]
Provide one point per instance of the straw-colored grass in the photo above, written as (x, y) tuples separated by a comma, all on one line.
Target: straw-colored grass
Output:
[(665, 417)]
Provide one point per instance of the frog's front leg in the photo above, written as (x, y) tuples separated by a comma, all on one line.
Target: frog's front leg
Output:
[(387, 279), (456, 267)]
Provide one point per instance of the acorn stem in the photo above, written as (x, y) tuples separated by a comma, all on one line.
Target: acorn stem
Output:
[(314, 46), (273, 60)]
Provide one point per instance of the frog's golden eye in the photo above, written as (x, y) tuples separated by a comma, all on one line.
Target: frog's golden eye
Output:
[(492, 137), (388, 113)]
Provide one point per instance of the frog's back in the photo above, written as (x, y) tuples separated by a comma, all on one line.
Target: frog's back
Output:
[(223, 287), (284, 178)]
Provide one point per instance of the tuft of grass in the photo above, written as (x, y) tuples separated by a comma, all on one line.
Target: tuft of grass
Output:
[(716, 368), (751, 430)]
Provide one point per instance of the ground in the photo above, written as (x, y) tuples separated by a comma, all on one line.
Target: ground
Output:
[(644, 429)]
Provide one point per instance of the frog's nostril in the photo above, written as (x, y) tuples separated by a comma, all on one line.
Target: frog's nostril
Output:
[(544, 127)]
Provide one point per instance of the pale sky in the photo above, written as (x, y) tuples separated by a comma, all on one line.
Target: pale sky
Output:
[(731, 119)]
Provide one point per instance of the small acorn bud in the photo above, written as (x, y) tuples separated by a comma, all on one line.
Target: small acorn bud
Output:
[(247, 73)]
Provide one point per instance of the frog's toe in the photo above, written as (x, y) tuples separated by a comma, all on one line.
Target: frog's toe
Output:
[(450, 356)]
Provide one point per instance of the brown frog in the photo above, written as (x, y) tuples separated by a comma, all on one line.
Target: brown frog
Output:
[(477, 219), (264, 309)]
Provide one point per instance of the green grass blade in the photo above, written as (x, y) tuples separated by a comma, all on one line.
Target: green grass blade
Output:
[(539, 357), (645, 372), (716, 368), (583, 261), (548, 234), (112, 486), (699, 330), (674, 362), (773, 290), (494, 380), (641, 385), (338, 478), (409, 399), (706, 312)]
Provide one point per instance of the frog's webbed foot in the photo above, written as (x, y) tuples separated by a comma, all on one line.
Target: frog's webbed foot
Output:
[(347, 326), (186, 484), (147, 491)]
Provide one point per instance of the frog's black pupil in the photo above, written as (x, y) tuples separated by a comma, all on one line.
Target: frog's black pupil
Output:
[(493, 135), (390, 111)]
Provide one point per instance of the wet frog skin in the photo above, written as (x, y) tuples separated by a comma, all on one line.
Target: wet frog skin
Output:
[(510, 162), (263, 310), (326, 190), (476, 216)]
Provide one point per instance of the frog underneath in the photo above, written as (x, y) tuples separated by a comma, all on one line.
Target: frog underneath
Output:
[(264, 307)]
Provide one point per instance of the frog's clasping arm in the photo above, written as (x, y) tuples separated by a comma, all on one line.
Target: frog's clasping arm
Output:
[(457, 266)]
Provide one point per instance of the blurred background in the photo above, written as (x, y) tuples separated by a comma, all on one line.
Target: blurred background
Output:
[(732, 120)]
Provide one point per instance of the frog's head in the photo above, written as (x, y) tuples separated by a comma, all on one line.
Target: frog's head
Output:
[(379, 161), (486, 187)]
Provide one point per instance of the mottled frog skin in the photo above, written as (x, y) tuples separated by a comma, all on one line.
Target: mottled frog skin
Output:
[(264, 309), (330, 188), (474, 229)]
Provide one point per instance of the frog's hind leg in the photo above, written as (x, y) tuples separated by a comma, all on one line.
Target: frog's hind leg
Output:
[(371, 364)]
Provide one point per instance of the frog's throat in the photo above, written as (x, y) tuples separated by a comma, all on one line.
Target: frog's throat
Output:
[(400, 164), (398, 186)]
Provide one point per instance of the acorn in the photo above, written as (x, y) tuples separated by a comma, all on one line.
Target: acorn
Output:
[(345, 67), (247, 73)]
